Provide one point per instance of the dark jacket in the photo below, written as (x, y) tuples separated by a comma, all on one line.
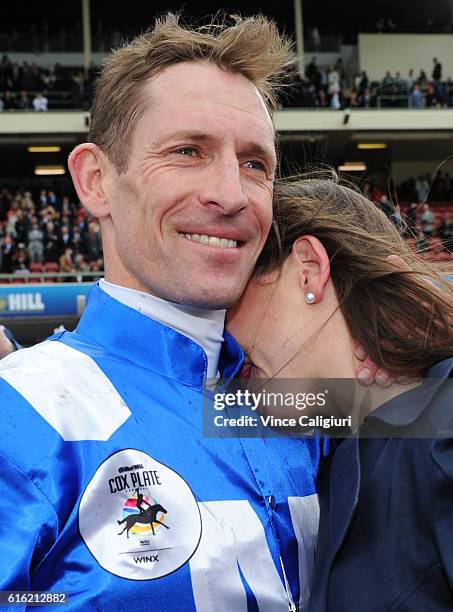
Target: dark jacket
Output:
[(386, 531)]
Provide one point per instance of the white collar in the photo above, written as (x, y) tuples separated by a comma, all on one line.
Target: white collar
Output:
[(205, 327)]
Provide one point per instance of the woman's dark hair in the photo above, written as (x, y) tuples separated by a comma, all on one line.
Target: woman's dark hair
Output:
[(403, 319)]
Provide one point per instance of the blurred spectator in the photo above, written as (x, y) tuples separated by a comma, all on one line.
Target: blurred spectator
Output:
[(51, 244), (92, 242), (437, 70), (339, 67), (22, 226), (40, 102), (364, 82), (391, 210), (417, 99), (396, 217), (312, 70), (81, 266), (333, 81), (445, 233), (65, 238), (27, 202), (77, 239), (12, 217), (440, 93), (68, 210), (431, 97), (335, 100), (97, 266), (48, 213), (422, 79), (21, 259), (66, 262), (427, 220), (438, 187), (364, 100), (43, 198), (82, 90), (422, 188), (8, 100), (35, 243), (409, 82), (23, 101), (354, 99), (387, 82), (8, 249), (52, 200), (81, 218)]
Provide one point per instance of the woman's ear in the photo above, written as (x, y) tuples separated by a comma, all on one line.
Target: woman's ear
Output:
[(311, 258), (399, 263), (87, 165)]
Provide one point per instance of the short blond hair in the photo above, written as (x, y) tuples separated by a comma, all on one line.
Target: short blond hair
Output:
[(250, 46)]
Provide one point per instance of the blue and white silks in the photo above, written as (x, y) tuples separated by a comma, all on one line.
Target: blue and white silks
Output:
[(111, 493)]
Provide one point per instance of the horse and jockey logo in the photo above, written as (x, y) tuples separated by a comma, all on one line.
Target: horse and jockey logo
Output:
[(144, 521), (138, 517)]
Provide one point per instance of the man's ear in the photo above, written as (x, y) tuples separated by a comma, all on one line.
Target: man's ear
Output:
[(87, 165), (311, 258)]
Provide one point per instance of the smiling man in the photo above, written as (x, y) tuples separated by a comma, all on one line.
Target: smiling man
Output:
[(187, 215), (179, 168)]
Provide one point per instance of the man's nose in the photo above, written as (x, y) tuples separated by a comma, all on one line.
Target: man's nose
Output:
[(223, 187)]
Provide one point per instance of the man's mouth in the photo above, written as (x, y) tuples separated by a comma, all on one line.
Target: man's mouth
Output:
[(215, 241)]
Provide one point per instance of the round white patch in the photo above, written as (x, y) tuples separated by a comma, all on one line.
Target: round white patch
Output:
[(138, 517)]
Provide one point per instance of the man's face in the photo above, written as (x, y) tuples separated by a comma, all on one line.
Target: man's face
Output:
[(191, 214)]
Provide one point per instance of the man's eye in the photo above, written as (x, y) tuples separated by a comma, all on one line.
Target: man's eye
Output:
[(255, 164), (190, 151)]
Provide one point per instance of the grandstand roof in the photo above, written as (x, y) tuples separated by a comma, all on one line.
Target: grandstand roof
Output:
[(328, 15)]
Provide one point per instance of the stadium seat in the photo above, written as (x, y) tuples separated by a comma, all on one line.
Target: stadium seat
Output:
[(51, 266), (36, 268)]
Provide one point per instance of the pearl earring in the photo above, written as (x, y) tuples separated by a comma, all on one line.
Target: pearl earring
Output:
[(310, 298)]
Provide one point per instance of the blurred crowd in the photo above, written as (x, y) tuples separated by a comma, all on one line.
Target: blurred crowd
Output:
[(425, 221), (46, 232), (334, 87), (425, 187), (27, 86), (321, 87)]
